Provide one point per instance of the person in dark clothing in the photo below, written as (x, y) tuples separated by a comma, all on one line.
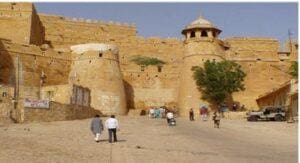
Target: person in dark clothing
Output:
[(216, 118), (97, 127), (191, 114), (234, 107)]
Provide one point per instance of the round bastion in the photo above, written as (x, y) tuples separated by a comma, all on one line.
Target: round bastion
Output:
[(96, 67)]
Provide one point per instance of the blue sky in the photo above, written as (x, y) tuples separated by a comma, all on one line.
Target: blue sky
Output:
[(168, 19)]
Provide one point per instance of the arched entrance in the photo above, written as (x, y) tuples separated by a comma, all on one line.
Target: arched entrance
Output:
[(7, 83)]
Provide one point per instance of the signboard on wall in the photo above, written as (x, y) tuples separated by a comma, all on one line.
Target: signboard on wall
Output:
[(30, 103)]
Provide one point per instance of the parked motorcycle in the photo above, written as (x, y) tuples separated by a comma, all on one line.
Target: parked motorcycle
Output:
[(172, 122)]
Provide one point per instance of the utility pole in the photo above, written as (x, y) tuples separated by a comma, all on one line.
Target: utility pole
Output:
[(17, 85), (14, 114), (290, 40), (289, 96)]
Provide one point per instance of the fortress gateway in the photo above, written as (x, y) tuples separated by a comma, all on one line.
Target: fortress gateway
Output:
[(81, 65)]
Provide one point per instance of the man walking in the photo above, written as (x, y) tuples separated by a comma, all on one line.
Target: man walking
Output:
[(216, 119), (191, 114), (97, 127), (112, 125), (203, 113), (169, 116)]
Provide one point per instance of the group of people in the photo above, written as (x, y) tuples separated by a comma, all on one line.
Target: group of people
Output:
[(157, 112), (111, 124), (204, 114), (160, 112), (163, 112)]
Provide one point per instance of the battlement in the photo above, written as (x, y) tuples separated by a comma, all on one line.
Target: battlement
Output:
[(159, 40), (48, 17), (251, 39), (25, 7)]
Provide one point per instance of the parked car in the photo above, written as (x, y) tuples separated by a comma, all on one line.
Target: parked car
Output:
[(276, 113)]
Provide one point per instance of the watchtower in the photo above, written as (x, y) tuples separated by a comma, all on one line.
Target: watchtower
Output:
[(201, 44)]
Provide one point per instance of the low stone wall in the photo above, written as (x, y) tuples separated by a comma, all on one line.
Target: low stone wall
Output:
[(58, 112), (5, 109), (135, 112), (234, 115)]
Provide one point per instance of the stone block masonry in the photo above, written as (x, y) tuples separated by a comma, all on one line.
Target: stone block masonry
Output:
[(37, 61)]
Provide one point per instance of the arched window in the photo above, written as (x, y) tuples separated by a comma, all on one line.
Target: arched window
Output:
[(204, 34), (193, 34)]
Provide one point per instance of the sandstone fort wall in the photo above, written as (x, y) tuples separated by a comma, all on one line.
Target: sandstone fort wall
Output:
[(19, 22), (51, 64)]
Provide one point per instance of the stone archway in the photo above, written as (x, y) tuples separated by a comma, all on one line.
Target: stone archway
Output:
[(7, 69), (7, 84)]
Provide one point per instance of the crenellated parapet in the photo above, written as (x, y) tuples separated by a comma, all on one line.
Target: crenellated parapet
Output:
[(160, 40), (88, 21)]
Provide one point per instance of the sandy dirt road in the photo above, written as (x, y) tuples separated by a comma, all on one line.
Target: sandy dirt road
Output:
[(143, 140)]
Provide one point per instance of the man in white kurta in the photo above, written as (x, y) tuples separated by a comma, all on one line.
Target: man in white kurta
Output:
[(112, 125)]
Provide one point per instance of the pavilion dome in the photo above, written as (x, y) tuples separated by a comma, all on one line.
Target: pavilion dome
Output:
[(200, 23)]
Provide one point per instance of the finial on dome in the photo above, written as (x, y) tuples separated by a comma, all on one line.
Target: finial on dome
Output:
[(200, 16)]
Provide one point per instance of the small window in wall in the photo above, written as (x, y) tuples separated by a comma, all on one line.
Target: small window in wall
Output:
[(142, 68), (193, 34), (204, 34), (159, 68), (4, 94), (100, 54)]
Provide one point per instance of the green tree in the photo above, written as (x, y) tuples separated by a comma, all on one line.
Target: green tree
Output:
[(146, 61), (294, 70), (218, 80)]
